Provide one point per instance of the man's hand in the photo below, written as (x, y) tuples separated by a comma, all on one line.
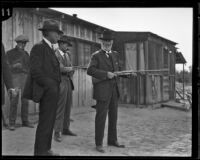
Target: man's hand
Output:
[(111, 75), (13, 92), (17, 65)]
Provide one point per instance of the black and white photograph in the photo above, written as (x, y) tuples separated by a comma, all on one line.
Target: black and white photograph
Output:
[(97, 81)]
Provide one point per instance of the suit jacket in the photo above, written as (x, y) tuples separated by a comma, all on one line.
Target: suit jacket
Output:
[(44, 71), (17, 55), (65, 63), (98, 67), (6, 77)]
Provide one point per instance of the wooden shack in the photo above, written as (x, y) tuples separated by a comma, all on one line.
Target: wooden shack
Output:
[(150, 52), (138, 51)]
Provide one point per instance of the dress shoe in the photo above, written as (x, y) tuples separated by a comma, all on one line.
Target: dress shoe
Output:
[(116, 144), (12, 127), (68, 132), (100, 149), (27, 124), (57, 137)]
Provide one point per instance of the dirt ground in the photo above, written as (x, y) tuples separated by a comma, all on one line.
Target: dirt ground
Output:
[(144, 131)]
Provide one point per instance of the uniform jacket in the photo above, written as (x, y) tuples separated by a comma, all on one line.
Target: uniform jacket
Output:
[(17, 55), (44, 71), (98, 67), (65, 63), (6, 77)]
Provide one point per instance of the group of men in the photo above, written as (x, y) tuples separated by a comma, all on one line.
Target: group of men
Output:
[(48, 75)]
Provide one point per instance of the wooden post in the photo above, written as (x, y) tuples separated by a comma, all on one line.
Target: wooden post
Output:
[(183, 82)]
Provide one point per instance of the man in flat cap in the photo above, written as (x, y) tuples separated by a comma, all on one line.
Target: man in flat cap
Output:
[(102, 66), (18, 60), (62, 122), (43, 85)]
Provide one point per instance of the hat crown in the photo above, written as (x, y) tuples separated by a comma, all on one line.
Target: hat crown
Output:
[(64, 38), (51, 25), (22, 38), (107, 35)]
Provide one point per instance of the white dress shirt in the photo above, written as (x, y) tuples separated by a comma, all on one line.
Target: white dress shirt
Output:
[(107, 53), (49, 43)]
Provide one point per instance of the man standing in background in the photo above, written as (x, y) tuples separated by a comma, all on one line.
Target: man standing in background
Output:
[(18, 59), (62, 122)]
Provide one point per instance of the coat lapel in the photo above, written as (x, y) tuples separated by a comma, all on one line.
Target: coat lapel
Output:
[(51, 53), (114, 62)]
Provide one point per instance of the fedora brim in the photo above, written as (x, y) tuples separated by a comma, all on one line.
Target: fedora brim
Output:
[(58, 31)]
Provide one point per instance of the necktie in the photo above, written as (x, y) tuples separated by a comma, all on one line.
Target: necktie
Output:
[(107, 53)]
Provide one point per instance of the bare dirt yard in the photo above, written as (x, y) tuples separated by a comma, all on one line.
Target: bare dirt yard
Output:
[(144, 131)]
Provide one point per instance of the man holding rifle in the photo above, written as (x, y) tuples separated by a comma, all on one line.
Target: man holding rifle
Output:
[(102, 66)]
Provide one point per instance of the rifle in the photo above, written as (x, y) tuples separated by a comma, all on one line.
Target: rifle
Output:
[(133, 72)]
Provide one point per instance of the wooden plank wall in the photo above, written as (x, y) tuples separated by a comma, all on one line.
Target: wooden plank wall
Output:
[(25, 22)]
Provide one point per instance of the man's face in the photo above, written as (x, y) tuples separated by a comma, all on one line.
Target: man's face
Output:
[(21, 45), (53, 37), (106, 44), (64, 47)]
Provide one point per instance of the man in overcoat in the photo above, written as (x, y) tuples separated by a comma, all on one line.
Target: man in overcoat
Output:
[(43, 85), (102, 66), (18, 59)]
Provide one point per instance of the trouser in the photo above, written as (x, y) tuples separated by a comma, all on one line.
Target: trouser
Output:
[(47, 116), (18, 82), (109, 106), (64, 107)]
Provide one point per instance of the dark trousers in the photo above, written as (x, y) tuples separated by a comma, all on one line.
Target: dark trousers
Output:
[(13, 110), (64, 106), (102, 108), (47, 115), (19, 80)]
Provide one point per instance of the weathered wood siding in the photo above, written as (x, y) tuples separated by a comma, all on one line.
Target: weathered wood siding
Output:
[(84, 40), (141, 52)]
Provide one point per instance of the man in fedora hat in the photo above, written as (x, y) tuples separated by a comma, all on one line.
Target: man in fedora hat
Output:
[(102, 66), (18, 60), (43, 85), (62, 122)]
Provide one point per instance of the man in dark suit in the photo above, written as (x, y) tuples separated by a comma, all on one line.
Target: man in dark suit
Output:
[(62, 122), (43, 85), (102, 66), (18, 59)]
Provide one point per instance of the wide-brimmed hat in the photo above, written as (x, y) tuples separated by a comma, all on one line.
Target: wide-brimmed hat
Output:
[(22, 38), (107, 35), (51, 25), (65, 39)]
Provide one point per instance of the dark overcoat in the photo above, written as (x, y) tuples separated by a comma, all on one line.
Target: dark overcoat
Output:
[(6, 77), (98, 67), (44, 71)]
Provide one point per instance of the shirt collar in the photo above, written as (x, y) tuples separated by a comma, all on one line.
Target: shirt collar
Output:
[(61, 52), (107, 51), (48, 42)]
